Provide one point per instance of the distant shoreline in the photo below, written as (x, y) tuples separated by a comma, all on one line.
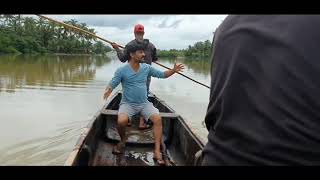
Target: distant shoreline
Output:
[(101, 55), (58, 54), (75, 54)]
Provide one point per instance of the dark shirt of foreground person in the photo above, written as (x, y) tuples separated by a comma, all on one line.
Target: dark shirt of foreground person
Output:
[(264, 104)]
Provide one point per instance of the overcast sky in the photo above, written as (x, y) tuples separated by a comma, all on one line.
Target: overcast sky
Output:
[(165, 31)]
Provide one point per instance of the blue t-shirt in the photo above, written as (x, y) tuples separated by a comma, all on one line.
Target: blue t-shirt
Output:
[(134, 83)]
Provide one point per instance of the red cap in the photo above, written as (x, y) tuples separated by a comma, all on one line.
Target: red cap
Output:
[(138, 28)]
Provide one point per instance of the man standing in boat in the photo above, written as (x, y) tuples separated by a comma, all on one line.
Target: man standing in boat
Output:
[(133, 77), (150, 56), (150, 50)]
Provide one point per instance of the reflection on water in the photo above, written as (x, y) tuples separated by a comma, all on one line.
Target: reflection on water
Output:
[(45, 101), (198, 66), (47, 72)]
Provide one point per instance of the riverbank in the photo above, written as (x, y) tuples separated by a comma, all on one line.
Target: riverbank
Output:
[(78, 54), (57, 54), (112, 53)]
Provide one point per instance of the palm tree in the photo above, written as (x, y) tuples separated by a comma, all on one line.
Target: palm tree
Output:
[(29, 26)]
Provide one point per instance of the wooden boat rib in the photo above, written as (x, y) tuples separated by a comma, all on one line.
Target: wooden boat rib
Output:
[(95, 144)]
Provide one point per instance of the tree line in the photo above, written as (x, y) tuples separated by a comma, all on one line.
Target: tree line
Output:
[(199, 49), (20, 34)]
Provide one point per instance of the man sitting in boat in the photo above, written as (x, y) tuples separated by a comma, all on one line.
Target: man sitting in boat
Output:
[(150, 56), (133, 77)]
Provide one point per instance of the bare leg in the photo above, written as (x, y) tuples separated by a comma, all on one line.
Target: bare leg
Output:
[(123, 120), (122, 123), (142, 124), (157, 125)]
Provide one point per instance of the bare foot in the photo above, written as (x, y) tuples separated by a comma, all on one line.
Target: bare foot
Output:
[(157, 156), (144, 126), (118, 149)]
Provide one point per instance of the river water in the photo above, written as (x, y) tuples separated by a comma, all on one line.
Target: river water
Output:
[(46, 101)]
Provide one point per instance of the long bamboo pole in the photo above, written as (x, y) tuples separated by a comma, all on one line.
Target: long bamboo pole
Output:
[(98, 37)]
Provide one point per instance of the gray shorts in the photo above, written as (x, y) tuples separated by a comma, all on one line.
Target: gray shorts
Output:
[(146, 110)]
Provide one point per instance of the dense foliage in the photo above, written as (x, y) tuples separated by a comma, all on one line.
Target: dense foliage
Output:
[(199, 49), (20, 34)]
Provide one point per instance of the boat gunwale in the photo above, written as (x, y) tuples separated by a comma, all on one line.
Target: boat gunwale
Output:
[(84, 134), (184, 123)]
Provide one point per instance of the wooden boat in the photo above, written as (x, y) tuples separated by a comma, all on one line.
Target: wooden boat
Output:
[(94, 147)]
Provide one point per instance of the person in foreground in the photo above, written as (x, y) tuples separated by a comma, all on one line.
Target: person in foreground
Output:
[(133, 77), (265, 92), (150, 56)]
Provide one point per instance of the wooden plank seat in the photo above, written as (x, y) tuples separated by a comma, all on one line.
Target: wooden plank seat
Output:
[(162, 114)]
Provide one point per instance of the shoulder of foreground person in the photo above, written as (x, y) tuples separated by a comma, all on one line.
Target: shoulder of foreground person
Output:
[(265, 90)]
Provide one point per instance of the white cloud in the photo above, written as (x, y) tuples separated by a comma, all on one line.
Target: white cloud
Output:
[(165, 31)]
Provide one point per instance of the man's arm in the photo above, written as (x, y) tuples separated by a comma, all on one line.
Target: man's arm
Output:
[(160, 74), (107, 93), (176, 68), (115, 81), (120, 53)]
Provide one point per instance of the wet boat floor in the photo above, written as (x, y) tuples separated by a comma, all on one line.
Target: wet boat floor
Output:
[(134, 154)]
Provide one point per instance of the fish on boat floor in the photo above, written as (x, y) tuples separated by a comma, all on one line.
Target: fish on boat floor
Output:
[(133, 155)]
